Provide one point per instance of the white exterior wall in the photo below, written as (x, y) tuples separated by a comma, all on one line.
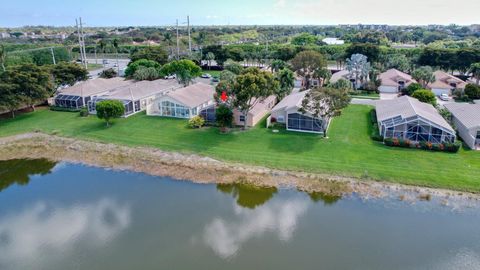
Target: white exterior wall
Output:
[(440, 91), (388, 89), (468, 136)]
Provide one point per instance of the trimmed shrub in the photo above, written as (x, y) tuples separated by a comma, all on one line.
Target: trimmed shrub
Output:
[(84, 112), (62, 109), (472, 91), (196, 122), (440, 147)]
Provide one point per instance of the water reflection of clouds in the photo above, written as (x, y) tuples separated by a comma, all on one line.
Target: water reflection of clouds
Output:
[(44, 230), (226, 237)]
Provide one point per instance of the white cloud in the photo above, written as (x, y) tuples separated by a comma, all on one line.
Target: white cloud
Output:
[(227, 237), (37, 235)]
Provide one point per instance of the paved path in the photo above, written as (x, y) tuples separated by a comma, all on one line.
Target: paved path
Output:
[(363, 101)]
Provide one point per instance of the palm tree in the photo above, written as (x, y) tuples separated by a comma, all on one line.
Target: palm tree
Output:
[(475, 70), (200, 39), (209, 57), (167, 38), (115, 45), (3, 56)]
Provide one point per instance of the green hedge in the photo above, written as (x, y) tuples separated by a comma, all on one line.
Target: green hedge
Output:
[(62, 109), (441, 147)]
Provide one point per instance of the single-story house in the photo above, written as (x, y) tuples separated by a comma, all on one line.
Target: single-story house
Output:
[(186, 102), (466, 118), (343, 74), (136, 96), (394, 81), (408, 118), (287, 112), (445, 83), (259, 110), (78, 95)]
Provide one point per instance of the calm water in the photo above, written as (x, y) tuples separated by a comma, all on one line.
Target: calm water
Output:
[(64, 216)]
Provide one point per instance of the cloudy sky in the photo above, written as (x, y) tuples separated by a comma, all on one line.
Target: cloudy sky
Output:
[(221, 12)]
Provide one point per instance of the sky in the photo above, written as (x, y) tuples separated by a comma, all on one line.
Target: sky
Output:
[(239, 12)]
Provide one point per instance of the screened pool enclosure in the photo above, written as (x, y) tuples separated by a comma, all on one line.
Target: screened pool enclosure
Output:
[(415, 129), (130, 106), (70, 101), (300, 122)]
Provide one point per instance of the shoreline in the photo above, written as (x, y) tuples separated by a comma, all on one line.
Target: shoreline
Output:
[(205, 170)]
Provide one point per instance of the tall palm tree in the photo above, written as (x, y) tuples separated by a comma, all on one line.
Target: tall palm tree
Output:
[(115, 45), (475, 70), (167, 38)]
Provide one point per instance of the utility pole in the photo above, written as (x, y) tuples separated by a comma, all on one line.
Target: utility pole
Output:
[(83, 42), (79, 40), (178, 48), (53, 56), (189, 37)]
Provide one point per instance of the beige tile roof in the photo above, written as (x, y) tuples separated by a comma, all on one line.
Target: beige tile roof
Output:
[(262, 105), (342, 74), (193, 95), (443, 80), (392, 76), (409, 107), (467, 114), (293, 100), (143, 89), (94, 87)]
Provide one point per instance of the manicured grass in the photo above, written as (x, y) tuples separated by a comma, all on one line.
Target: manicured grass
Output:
[(214, 73), (92, 66), (348, 151)]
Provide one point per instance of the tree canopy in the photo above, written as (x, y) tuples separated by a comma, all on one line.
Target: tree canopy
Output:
[(306, 63), (324, 103), (425, 96), (66, 73), (185, 70), (154, 53), (109, 109)]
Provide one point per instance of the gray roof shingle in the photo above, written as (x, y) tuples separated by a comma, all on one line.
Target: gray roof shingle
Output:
[(409, 107), (467, 114)]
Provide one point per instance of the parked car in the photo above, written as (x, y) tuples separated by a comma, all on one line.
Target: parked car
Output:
[(444, 97), (215, 79), (169, 77), (206, 76)]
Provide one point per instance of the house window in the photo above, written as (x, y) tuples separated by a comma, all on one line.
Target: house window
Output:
[(168, 108), (478, 135), (281, 119), (242, 118)]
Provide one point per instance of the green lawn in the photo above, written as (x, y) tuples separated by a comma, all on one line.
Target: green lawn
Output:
[(214, 73), (349, 150), (92, 66)]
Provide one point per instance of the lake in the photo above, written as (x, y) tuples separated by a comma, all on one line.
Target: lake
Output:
[(69, 216)]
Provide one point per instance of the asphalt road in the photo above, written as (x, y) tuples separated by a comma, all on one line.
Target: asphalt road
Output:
[(111, 63)]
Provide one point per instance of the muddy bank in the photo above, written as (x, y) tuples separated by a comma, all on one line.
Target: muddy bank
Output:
[(206, 170)]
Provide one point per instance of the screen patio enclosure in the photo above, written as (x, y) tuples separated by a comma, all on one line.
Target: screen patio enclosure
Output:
[(305, 123), (415, 129), (70, 101)]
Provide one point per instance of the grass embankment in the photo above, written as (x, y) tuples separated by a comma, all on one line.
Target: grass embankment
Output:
[(348, 152)]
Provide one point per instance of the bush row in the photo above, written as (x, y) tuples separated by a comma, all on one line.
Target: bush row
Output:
[(62, 109), (443, 147)]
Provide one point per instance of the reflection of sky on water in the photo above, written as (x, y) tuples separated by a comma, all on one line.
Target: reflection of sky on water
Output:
[(36, 235), (226, 237)]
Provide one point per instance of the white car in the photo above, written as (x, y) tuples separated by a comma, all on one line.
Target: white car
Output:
[(206, 76), (169, 77), (444, 97)]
